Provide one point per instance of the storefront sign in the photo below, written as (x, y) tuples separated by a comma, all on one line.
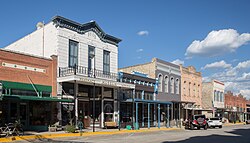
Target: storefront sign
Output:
[(107, 82)]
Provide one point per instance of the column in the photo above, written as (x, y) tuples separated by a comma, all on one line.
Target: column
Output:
[(159, 115), (76, 102), (136, 116), (154, 109), (168, 123), (148, 115), (179, 119), (142, 114)]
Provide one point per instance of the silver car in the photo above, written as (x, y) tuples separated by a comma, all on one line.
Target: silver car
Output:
[(214, 122)]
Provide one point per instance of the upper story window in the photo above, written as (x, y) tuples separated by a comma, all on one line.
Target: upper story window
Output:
[(166, 83), (172, 85), (91, 57), (215, 95), (73, 53), (160, 83), (177, 86), (218, 96), (106, 62)]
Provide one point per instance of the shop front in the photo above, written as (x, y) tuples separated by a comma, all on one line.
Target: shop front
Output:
[(34, 110)]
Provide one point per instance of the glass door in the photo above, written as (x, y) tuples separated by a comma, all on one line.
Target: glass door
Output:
[(23, 114)]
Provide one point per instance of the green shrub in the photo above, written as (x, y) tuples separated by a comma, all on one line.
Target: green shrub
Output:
[(70, 129)]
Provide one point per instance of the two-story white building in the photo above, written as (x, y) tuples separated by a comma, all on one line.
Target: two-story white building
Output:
[(87, 66), (213, 98)]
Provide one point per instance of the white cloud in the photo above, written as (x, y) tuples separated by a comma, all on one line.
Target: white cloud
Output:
[(217, 43), (245, 93), (178, 62), (220, 64), (236, 79), (139, 50), (243, 65), (143, 33), (245, 76)]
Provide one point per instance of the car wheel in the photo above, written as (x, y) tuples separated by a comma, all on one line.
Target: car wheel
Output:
[(205, 127), (192, 127), (220, 126)]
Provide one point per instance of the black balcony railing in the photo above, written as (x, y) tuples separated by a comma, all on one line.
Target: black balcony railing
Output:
[(79, 70)]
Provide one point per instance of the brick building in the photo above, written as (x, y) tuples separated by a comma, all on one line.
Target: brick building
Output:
[(28, 89), (235, 107), (191, 92)]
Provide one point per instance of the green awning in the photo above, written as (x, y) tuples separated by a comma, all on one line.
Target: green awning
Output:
[(36, 98), (25, 86)]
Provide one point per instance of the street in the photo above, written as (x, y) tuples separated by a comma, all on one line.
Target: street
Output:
[(228, 134)]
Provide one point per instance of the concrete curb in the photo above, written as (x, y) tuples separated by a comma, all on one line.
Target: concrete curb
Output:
[(50, 136), (232, 124)]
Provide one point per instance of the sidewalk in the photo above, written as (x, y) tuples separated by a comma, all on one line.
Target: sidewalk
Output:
[(232, 124), (48, 135)]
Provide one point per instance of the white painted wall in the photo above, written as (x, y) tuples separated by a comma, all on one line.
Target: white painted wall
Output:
[(89, 38), (56, 41), (221, 88), (33, 42)]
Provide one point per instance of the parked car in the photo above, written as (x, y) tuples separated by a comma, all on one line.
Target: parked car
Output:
[(198, 121), (214, 122)]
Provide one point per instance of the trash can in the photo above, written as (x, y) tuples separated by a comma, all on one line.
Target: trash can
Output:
[(128, 127)]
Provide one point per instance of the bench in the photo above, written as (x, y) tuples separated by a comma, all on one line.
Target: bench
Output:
[(110, 124)]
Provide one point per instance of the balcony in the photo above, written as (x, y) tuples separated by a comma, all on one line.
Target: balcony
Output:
[(87, 72)]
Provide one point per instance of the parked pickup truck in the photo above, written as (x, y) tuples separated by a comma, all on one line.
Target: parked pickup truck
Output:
[(196, 121)]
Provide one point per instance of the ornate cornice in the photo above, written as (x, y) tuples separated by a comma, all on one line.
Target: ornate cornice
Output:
[(83, 28)]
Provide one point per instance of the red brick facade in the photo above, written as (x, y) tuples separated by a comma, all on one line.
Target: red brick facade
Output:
[(48, 77), (237, 101)]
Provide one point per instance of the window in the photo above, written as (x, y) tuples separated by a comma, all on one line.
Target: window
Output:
[(218, 96), (73, 53), (172, 85), (160, 83), (194, 89), (177, 86), (166, 83), (215, 96), (198, 90), (91, 57), (106, 62)]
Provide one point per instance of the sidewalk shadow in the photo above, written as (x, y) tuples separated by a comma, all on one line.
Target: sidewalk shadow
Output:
[(237, 136)]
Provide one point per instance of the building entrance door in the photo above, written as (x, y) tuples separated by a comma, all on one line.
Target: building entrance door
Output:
[(23, 114)]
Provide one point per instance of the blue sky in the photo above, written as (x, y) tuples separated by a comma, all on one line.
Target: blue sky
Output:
[(213, 35)]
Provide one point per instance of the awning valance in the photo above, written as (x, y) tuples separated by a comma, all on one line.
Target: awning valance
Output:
[(25, 86), (36, 98)]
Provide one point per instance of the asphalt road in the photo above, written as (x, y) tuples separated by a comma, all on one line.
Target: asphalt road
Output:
[(228, 134)]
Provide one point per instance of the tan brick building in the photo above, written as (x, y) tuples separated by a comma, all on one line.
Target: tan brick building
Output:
[(235, 106), (191, 92), (28, 89)]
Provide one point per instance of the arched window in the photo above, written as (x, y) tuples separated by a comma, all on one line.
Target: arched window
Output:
[(177, 86), (215, 95), (184, 88), (194, 89), (160, 83), (166, 80), (198, 90), (218, 96), (172, 85)]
